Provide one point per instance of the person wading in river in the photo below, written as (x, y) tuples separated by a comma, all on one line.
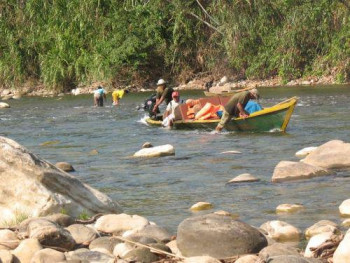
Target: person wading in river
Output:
[(235, 107), (99, 95), (163, 94), (117, 95)]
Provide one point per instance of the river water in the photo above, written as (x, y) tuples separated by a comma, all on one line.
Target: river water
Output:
[(163, 189)]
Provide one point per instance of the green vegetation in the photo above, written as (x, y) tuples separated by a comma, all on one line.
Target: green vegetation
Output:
[(63, 43)]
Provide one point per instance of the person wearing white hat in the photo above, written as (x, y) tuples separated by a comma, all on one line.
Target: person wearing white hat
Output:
[(163, 94), (235, 107)]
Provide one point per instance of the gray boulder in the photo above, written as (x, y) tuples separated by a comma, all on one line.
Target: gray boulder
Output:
[(277, 249), (38, 188), (331, 155), (47, 255), (156, 232), (143, 255), (84, 255), (288, 171), (104, 244), (218, 236), (82, 234), (61, 219)]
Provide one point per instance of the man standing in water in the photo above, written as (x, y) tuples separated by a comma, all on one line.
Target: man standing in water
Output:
[(117, 95), (99, 95), (163, 94), (235, 107)]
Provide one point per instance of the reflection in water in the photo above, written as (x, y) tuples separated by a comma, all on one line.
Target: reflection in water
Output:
[(163, 189)]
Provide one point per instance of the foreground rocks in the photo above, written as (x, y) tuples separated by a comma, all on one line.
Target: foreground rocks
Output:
[(39, 188), (218, 236)]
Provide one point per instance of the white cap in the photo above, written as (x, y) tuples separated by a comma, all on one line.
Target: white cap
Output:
[(161, 82)]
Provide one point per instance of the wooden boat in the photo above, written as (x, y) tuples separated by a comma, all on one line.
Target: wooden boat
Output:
[(225, 92), (275, 118)]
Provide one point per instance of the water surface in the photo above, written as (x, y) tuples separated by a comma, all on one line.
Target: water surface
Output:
[(163, 189)]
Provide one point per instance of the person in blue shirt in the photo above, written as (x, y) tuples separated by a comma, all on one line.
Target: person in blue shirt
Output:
[(99, 95), (252, 106)]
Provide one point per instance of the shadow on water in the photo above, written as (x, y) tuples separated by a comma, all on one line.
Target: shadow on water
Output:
[(163, 189)]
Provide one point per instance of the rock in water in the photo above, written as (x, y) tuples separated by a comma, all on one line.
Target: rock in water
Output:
[(67, 167), (4, 105), (157, 151), (344, 208), (305, 152), (38, 188), (331, 155), (217, 236), (281, 231)]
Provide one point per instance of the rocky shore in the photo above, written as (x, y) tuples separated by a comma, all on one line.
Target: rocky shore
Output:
[(200, 83), (48, 215)]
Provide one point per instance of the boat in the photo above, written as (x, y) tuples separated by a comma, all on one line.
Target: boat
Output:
[(275, 118)]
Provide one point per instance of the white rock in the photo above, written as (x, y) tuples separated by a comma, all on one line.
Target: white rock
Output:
[(344, 208), (281, 231), (248, 259), (38, 188), (289, 208), (157, 151), (4, 105), (314, 242), (342, 254), (201, 206), (120, 223), (346, 222), (304, 152), (243, 178), (320, 227), (26, 250), (232, 152), (201, 259)]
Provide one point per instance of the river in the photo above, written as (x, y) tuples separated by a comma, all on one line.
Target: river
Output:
[(163, 189)]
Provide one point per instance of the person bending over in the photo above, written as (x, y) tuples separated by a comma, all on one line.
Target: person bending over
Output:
[(99, 95), (163, 94), (117, 95)]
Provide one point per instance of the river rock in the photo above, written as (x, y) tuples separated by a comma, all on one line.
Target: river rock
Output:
[(50, 234), (201, 259), (173, 247), (147, 145), (292, 259), (217, 236), (154, 231), (344, 208), (4, 105), (320, 227), (61, 219), (289, 208), (82, 234), (104, 244), (314, 242), (121, 249), (288, 171), (305, 152), (5, 92), (8, 240), (47, 255), (120, 223), (281, 231), (277, 249), (143, 255), (244, 178), (331, 155), (342, 254), (17, 97), (157, 151), (38, 188), (67, 167), (201, 206), (84, 255), (26, 250), (248, 259), (6, 256), (346, 223)]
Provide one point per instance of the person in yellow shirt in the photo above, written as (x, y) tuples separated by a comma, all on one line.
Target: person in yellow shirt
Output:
[(117, 95)]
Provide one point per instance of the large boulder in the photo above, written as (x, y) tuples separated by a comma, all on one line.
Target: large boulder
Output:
[(288, 171), (342, 254), (218, 236), (331, 155), (38, 188), (281, 231), (157, 151)]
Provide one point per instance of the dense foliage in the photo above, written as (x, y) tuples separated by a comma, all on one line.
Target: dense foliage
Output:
[(62, 43)]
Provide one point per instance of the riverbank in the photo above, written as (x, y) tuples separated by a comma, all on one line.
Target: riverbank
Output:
[(199, 83)]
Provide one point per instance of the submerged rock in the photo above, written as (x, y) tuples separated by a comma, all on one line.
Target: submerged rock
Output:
[(217, 236), (201, 206), (4, 105), (244, 178), (331, 155), (288, 171), (38, 188), (289, 208), (157, 151)]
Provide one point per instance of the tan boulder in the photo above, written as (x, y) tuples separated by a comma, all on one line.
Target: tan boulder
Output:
[(288, 171), (48, 255), (82, 234), (8, 240), (320, 227), (331, 155), (344, 208), (281, 231), (120, 223), (38, 188), (26, 250)]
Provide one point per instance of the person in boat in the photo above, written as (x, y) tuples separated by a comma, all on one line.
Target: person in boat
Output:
[(99, 96), (169, 114), (235, 107), (164, 94), (252, 106), (117, 95)]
